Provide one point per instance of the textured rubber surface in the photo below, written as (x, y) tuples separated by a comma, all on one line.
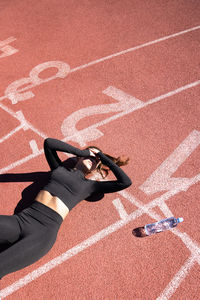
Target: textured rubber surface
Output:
[(124, 76)]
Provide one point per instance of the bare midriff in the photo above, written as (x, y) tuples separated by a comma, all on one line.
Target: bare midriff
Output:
[(53, 202)]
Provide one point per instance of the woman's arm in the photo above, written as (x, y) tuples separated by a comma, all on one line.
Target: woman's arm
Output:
[(23, 177), (122, 182), (52, 145)]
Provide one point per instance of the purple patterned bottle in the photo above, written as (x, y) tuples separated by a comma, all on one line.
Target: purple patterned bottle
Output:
[(162, 225)]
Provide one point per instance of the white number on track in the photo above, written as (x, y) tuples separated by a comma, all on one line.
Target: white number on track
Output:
[(6, 49), (161, 179), (33, 80)]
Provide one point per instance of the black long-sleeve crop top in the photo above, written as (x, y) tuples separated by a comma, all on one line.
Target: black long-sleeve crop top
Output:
[(70, 185)]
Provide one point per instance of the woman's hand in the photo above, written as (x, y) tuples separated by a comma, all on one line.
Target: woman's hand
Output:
[(93, 151)]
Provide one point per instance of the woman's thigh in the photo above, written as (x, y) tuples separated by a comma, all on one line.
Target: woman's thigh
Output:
[(26, 251), (9, 230), (36, 229)]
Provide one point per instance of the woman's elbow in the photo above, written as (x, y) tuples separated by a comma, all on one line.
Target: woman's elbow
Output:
[(127, 183), (47, 141)]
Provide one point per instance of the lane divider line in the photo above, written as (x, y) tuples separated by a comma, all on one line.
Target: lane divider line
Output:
[(94, 62), (142, 208), (100, 123)]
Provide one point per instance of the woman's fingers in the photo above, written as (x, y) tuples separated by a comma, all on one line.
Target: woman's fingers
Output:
[(94, 150), (91, 153)]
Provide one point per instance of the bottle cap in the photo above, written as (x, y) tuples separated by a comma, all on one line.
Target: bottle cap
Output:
[(180, 220)]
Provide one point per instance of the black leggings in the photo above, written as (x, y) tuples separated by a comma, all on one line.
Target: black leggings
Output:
[(27, 236)]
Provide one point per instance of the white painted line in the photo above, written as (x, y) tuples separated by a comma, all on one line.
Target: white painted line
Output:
[(178, 278), (6, 48), (34, 147), (8, 110), (165, 209), (144, 104), (7, 41), (95, 238), (158, 201), (22, 119), (123, 103), (161, 179), (34, 79), (139, 105), (120, 208), (134, 48), (67, 255), (117, 54), (103, 122), (13, 114), (193, 246), (190, 244), (177, 91), (122, 97), (10, 134), (20, 162)]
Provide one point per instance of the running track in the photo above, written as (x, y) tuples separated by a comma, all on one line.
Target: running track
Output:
[(122, 75)]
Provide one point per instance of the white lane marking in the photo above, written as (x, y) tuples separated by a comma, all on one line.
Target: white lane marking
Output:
[(90, 129), (192, 246), (21, 161), (197, 178), (34, 147), (19, 114), (124, 103), (178, 278), (174, 92), (34, 77), (7, 136), (25, 125), (122, 97), (165, 209), (6, 48), (62, 68), (134, 48), (160, 179), (34, 80), (120, 208), (131, 104), (103, 59), (67, 255), (7, 41)]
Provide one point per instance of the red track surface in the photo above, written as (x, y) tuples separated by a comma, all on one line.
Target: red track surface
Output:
[(98, 40)]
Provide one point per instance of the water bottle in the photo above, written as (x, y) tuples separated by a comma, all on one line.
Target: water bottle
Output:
[(162, 225)]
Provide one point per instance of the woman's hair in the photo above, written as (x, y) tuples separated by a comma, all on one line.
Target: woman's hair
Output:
[(103, 169)]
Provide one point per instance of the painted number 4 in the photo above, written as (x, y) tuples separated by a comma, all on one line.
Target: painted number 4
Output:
[(161, 179)]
